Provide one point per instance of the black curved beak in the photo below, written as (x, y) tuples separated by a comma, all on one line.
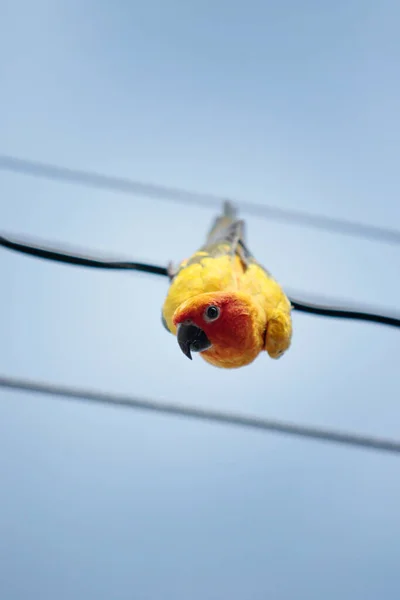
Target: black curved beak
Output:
[(192, 338)]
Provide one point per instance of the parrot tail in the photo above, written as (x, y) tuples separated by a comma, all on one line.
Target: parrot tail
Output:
[(223, 223)]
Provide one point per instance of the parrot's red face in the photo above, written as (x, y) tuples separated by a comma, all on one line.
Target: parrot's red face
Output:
[(220, 325)]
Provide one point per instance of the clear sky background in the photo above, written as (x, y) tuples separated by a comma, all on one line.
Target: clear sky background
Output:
[(287, 103)]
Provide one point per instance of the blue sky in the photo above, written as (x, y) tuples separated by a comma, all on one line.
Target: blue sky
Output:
[(292, 104)]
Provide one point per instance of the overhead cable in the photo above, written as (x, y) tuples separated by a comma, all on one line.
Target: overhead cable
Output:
[(58, 255), (180, 410), (162, 192)]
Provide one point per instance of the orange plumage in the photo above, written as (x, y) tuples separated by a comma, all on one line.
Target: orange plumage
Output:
[(224, 304)]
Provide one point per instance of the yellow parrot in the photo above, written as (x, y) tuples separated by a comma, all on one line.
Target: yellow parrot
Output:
[(223, 304)]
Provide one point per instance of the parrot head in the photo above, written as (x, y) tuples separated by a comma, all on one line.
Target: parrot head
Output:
[(222, 326)]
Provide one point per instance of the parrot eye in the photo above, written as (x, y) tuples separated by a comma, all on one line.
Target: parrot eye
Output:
[(211, 313)]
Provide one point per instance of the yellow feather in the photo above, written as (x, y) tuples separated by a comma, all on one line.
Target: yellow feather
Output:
[(207, 275), (274, 308)]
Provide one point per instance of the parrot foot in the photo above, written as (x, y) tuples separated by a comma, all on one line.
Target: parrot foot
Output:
[(171, 270), (278, 333)]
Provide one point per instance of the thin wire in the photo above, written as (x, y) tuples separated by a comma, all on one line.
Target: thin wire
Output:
[(160, 192), (345, 313), (86, 261), (75, 259), (226, 418)]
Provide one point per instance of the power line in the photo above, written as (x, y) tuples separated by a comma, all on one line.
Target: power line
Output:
[(76, 260), (179, 410), (91, 262), (346, 313), (161, 192)]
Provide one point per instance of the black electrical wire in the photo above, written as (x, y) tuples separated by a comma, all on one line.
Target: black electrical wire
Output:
[(86, 261), (345, 313), (82, 261), (160, 192), (226, 418)]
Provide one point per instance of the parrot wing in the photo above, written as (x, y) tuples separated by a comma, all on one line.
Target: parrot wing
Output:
[(226, 237), (222, 225)]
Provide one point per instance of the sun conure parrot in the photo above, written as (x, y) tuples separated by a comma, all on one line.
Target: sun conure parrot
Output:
[(223, 303)]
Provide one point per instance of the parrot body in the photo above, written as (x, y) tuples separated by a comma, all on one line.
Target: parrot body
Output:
[(224, 304)]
